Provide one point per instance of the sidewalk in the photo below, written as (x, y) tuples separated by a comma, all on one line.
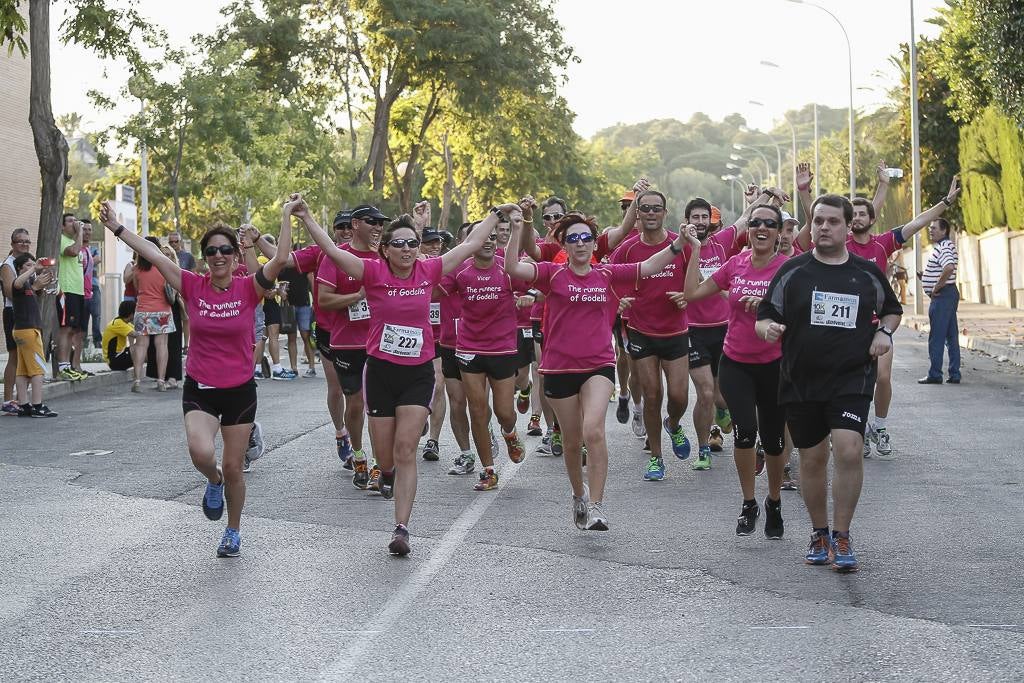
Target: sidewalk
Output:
[(57, 388), (994, 330)]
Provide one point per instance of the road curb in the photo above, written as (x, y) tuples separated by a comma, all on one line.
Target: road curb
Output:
[(62, 387), (1012, 354)]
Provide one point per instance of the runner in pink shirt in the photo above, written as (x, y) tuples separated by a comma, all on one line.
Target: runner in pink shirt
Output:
[(579, 361), (487, 351), (431, 244), (399, 377), (749, 372), (219, 392)]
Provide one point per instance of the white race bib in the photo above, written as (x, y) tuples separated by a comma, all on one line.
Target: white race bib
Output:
[(435, 314), (707, 271), (527, 332), (834, 310), (397, 340), (360, 310)]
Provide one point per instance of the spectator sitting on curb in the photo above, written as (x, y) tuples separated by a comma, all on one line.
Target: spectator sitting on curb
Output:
[(119, 337)]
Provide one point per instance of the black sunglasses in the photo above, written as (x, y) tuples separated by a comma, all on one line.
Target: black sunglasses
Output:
[(225, 249), (651, 208), (374, 221), (553, 216), (410, 242), (766, 222), (579, 237)]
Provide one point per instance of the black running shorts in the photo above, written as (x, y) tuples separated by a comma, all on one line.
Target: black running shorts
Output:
[(810, 422), (449, 365), (706, 347), (495, 367), (234, 406), (664, 348), (525, 354), (567, 384), (348, 365), (389, 385)]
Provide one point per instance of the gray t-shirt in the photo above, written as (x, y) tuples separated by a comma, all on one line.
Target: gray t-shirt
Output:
[(187, 261)]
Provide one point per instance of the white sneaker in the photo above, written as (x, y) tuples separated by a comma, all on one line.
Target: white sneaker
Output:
[(256, 446), (637, 425), (580, 516), (883, 444), (310, 372), (597, 521)]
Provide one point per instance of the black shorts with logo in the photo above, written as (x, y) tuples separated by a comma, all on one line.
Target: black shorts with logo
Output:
[(449, 364), (567, 384), (389, 385), (495, 367), (70, 310), (348, 366), (706, 347), (233, 406), (811, 421), (525, 354), (664, 348), (322, 339)]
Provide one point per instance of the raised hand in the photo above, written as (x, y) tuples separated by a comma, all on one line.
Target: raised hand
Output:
[(689, 233), (881, 170), (296, 206), (108, 216), (751, 193), (954, 190), (527, 204), (803, 176), (641, 185), (421, 214)]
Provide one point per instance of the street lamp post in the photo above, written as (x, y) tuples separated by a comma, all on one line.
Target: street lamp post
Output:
[(778, 150), (734, 167), (740, 147), (793, 131), (749, 164), (733, 182), (915, 147), (849, 66)]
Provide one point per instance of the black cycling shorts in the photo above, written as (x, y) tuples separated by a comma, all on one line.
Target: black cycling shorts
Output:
[(348, 366), (9, 328), (567, 384), (234, 406), (495, 367), (389, 385), (322, 339), (525, 354), (70, 309), (706, 347), (538, 333), (617, 334), (449, 365), (271, 312), (751, 390), (810, 422), (664, 348)]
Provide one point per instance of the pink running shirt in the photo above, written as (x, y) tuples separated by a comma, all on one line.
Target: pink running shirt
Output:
[(579, 315), (400, 330), (487, 325), (652, 312), (352, 325), (879, 248), (718, 248), (739, 277), (222, 336)]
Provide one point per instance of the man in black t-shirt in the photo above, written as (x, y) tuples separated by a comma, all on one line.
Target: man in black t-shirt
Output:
[(835, 314), (298, 299)]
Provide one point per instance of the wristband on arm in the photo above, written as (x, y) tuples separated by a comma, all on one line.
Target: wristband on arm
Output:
[(262, 280)]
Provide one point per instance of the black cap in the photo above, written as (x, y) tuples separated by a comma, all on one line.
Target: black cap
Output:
[(431, 235), (343, 218), (368, 211)]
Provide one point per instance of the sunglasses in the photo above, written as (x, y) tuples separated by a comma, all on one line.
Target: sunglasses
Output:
[(411, 242), (766, 222), (579, 237), (344, 226), (553, 216), (225, 249), (23, 242), (651, 208), (373, 221)]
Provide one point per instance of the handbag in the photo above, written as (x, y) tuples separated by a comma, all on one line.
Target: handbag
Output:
[(287, 318)]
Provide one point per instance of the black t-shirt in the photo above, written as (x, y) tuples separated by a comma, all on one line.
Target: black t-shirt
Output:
[(298, 286), (829, 312), (26, 308)]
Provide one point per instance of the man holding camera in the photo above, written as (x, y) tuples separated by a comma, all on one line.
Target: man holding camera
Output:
[(71, 297)]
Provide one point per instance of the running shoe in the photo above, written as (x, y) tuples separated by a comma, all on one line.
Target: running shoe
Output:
[(715, 439), (723, 419), (399, 541), (655, 469), (69, 375), (622, 411), (773, 526), (556, 442), (747, 520), (464, 464), (637, 424), (523, 399), (788, 482), (534, 429), (516, 450), (759, 460), (360, 472), (387, 484), (579, 509), (230, 543), (25, 410), (843, 559), (256, 445), (282, 375), (258, 374), (161, 385), (85, 373), (136, 387), (545, 445), (867, 445), (11, 408), (883, 443), (213, 499), (42, 410), (680, 444), (344, 446), (703, 459), (596, 519), (819, 552), (310, 372), (488, 481), (246, 465), (373, 483), (430, 451)]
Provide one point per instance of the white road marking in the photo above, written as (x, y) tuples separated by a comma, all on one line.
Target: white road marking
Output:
[(777, 628), (565, 630)]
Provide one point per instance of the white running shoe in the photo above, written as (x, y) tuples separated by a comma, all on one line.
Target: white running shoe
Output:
[(597, 520), (637, 424)]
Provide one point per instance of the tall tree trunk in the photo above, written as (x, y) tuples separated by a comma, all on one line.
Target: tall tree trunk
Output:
[(429, 114), (51, 150)]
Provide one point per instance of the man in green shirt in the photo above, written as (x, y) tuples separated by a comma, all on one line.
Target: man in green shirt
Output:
[(71, 297)]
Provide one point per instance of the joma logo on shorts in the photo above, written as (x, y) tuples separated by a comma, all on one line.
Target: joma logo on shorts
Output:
[(851, 416)]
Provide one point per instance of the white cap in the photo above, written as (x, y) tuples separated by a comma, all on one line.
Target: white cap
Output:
[(786, 218)]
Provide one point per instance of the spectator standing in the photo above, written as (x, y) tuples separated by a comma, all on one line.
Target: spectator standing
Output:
[(28, 336), (20, 244), (153, 319), (88, 264), (939, 283), (298, 298), (71, 297)]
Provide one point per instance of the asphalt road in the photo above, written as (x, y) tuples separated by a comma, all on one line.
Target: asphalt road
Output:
[(108, 572)]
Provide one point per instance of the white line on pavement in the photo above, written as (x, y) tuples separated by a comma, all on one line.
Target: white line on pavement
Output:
[(565, 630), (348, 662), (776, 628)]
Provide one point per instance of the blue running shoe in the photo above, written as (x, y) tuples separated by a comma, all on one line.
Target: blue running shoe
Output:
[(819, 551), (213, 499), (843, 559), (344, 444), (230, 543), (655, 469), (680, 444)]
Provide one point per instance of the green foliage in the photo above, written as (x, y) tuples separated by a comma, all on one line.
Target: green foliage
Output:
[(992, 169), (12, 27)]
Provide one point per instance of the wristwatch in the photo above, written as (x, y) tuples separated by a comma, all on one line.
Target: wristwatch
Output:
[(886, 331)]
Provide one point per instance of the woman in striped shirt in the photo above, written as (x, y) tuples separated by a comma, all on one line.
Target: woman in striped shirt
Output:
[(939, 283)]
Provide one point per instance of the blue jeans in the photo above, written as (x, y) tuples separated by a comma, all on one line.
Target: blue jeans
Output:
[(944, 332), (93, 307)]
